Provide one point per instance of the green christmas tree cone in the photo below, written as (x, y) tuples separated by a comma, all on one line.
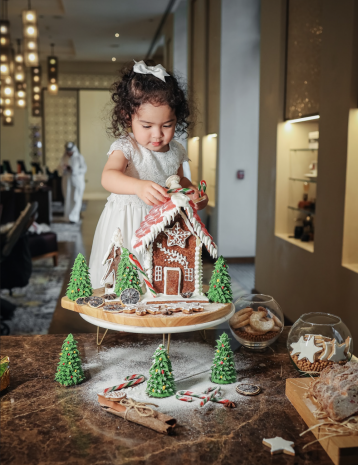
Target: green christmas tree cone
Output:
[(220, 283), (80, 282), (69, 369), (127, 275), (161, 380), (223, 367)]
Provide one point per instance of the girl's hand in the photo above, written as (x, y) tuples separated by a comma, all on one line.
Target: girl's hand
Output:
[(203, 203), (152, 193)]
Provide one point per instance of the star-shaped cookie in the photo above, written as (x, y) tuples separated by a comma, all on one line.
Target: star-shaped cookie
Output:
[(306, 349), (176, 235), (279, 445)]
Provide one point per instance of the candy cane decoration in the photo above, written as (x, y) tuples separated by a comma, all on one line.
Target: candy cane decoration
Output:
[(215, 396), (138, 267), (181, 190), (202, 188), (129, 381)]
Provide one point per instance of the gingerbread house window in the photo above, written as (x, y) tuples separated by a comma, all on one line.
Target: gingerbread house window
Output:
[(158, 273), (189, 274)]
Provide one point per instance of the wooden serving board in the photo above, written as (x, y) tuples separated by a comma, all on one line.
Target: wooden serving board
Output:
[(211, 312), (343, 450)]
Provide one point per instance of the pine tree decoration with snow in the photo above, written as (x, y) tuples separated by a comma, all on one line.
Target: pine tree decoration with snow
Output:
[(220, 283), (127, 275), (161, 381), (69, 370), (223, 367), (80, 282)]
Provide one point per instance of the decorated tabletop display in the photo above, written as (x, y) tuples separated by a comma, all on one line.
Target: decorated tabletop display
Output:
[(223, 367), (69, 370), (127, 275), (220, 283), (161, 381), (80, 282)]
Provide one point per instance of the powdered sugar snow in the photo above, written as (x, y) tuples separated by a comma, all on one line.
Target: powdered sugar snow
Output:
[(191, 364)]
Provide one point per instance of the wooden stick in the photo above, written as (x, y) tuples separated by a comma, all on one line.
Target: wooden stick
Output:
[(168, 343), (163, 339), (159, 422)]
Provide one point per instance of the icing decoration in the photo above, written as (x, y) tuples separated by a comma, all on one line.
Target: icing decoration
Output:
[(327, 349), (114, 248), (278, 445), (161, 381), (162, 215), (139, 268), (129, 381), (337, 353), (173, 256), (177, 236), (308, 350), (296, 346)]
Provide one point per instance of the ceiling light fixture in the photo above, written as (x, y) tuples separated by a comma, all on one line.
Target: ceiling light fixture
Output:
[(36, 91), (116, 34), (114, 58), (30, 36), (52, 71), (300, 120)]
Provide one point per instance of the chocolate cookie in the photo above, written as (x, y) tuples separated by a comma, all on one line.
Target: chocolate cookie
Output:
[(113, 308), (186, 295), (81, 301), (248, 389), (109, 296), (130, 296), (96, 302)]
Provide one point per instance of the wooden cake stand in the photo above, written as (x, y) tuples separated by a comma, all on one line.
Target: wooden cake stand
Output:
[(213, 315)]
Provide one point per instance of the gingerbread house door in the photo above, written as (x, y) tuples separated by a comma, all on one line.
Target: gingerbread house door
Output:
[(172, 280)]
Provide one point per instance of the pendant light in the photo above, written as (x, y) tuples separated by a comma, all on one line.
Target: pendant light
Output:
[(7, 69), (5, 45), (52, 72), (20, 78), (36, 90), (30, 35)]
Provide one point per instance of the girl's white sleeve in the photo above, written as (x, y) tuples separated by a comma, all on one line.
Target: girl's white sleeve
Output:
[(183, 156), (124, 145)]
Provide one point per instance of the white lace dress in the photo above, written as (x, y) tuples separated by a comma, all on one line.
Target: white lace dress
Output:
[(128, 211)]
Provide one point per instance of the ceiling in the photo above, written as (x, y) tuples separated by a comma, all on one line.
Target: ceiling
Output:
[(84, 30)]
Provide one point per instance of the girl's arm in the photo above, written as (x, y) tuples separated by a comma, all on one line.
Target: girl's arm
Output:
[(114, 180), (184, 182)]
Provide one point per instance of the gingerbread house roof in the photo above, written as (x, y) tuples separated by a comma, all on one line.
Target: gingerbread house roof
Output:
[(162, 215)]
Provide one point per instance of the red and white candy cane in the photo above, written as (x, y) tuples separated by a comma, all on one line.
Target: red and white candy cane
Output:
[(187, 396), (181, 190), (202, 188), (129, 381), (138, 267)]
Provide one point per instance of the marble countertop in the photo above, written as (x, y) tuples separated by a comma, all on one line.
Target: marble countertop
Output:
[(44, 423)]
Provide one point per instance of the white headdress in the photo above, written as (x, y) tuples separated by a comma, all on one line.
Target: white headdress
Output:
[(158, 71)]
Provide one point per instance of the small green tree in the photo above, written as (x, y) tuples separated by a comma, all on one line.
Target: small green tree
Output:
[(223, 367), (161, 381), (80, 282), (69, 369), (127, 275), (220, 283)]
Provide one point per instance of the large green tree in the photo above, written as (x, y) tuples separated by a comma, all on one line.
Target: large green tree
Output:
[(69, 370), (220, 283), (161, 381), (223, 367), (80, 282), (127, 275)]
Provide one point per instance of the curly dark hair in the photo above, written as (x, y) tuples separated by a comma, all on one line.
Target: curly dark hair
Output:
[(134, 89)]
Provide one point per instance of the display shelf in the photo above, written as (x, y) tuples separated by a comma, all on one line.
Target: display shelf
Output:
[(294, 161), (308, 246), (302, 210), (303, 180)]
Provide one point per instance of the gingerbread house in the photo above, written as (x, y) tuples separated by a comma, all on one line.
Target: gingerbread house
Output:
[(112, 258), (171, 239)]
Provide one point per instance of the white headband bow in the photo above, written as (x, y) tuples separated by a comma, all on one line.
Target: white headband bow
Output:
[(158, 71)]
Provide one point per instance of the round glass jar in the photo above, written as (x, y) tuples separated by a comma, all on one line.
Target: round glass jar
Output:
[(318, 340), (257, 322)]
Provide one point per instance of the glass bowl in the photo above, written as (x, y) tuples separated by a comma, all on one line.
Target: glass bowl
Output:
[(257, 322), (318, 340)]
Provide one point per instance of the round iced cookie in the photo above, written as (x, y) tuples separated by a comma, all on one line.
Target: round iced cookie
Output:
[(130, 296)]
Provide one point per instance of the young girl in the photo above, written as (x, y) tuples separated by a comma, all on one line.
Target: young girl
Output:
[(151, 102)]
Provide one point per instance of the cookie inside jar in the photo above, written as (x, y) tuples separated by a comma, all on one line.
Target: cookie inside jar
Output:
[(256, 324)]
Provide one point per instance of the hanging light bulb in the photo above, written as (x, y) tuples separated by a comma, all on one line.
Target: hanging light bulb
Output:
[(52, 72), (20, 75), (36, 90), (30, 35)]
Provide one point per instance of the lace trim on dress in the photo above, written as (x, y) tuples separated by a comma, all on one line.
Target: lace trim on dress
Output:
[(124, 200), (125, 145)]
